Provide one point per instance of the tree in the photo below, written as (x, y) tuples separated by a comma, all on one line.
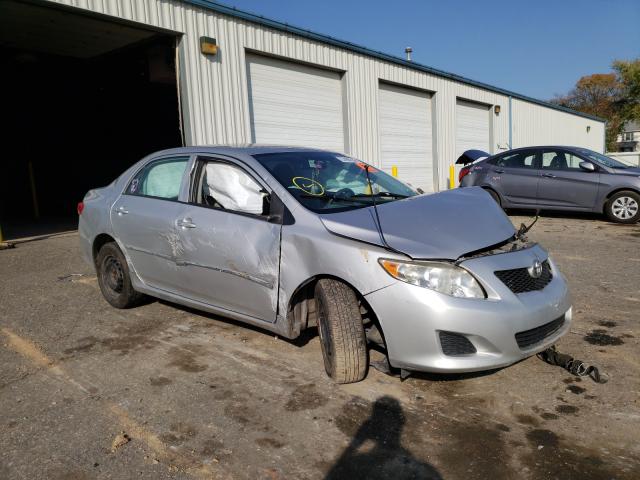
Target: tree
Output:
[(629, 77), (613, 96)]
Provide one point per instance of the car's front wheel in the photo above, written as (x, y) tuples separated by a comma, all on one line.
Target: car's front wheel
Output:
[(114, 278), (342, 337), (623, 207)]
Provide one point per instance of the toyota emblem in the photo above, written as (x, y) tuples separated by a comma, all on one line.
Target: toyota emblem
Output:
[(535, 270)]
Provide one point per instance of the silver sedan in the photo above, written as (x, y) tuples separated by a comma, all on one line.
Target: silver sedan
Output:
[(290, 238)]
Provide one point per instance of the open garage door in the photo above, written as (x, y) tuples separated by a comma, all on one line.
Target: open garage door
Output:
[(295, 104), (473, 130), (406, 134), (83, 98)]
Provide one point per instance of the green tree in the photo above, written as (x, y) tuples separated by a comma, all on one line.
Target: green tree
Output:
[(600, 95), (628, 74), (613, 96)]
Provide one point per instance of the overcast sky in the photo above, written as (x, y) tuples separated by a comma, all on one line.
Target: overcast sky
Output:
[(534, 47)]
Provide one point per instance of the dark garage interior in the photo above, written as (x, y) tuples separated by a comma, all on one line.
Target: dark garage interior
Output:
[(83, 98)]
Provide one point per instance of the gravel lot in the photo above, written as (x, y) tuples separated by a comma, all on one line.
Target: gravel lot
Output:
[(160, 391)]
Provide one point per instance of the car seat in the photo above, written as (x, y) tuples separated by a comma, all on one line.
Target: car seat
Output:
[(559, 162)]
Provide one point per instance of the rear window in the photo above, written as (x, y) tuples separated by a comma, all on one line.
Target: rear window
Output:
[(526, 159), (159, 179)]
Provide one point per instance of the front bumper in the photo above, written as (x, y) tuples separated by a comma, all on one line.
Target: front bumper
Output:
[(411, 317)]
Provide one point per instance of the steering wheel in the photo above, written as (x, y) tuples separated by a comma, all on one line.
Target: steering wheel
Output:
[(342, 194)]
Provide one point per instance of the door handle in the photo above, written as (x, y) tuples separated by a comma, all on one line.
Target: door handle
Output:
[(549, 175), (186, 223), (122, 211), (498, 170)]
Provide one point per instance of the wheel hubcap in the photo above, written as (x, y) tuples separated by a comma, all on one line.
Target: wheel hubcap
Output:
[(625, 208), (113, 275)]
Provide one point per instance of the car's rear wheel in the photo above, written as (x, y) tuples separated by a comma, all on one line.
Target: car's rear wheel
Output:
[(623, 207), (114, 279), (494, 195), (342, 337)]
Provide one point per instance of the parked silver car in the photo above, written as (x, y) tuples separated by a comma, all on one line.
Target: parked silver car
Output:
[(290, 238)]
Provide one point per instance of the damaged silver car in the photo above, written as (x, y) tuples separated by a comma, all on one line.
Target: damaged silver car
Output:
[(290, 238)]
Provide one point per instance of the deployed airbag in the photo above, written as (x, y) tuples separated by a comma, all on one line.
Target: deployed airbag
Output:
[(233, 189)]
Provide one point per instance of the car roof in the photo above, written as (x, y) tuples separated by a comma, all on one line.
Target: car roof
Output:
[(537, 147), (240, 149)]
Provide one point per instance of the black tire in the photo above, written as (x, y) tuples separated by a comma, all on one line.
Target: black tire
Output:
[(494, 195), (342, 337), (114, 278), (623, 207)]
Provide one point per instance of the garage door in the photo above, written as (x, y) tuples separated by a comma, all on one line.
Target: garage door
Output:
[(472, 127), (406, 134), (293, 104)]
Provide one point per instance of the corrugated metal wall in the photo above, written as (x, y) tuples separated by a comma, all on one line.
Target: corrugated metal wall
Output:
[(215, 98), (536, 125)]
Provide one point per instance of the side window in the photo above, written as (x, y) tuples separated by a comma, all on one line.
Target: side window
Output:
[(159, 179), (228, 187), (560, 160), (526, 159)]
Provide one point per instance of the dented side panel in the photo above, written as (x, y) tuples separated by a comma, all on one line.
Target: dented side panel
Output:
[(309, 250), (231, 261), (149, 237)]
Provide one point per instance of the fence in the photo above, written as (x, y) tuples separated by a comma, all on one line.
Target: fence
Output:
[(629, 158)]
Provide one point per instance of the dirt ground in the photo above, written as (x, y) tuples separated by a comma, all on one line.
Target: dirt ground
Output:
[(160, 391)]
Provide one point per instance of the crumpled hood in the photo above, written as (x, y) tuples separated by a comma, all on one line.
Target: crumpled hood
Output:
[(442, 226)]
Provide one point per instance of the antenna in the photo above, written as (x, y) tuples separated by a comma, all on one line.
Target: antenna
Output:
[(375, 209), (408, 51)]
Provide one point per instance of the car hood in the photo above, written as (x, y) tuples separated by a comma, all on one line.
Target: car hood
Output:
[(634, 171), (442, 226)]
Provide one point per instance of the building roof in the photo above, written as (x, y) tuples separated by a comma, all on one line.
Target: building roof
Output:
[(285, 27), (632, 126)]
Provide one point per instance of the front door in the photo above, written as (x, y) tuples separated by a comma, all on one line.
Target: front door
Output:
[(564, 184), (515, 176), (231, 256), (143, 220)]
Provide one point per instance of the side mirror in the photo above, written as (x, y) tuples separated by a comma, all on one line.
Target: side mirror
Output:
[(587, 166)]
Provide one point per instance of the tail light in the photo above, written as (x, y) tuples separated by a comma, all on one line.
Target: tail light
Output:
[(80, 208), (463, 173)]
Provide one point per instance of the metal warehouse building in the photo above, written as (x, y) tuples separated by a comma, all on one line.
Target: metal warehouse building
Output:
[(90, 86)]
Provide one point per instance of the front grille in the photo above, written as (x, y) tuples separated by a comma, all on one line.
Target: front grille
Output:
[(529, 338), (519, 280), (454, 344)]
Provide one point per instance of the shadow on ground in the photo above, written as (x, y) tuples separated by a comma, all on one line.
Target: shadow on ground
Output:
[(376, 452)]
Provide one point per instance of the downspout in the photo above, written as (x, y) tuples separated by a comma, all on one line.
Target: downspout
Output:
[(604, 139), (510, 126)]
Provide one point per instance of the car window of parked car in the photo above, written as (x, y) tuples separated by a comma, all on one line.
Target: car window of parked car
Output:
[(602, 159), (159, 179), (226, 186), (560, 160), (327, 182), (524, 159)]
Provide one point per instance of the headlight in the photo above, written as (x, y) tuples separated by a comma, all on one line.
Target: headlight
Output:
[(441, 277)]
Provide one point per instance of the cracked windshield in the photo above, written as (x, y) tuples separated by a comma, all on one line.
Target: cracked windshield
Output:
[(326, 182)]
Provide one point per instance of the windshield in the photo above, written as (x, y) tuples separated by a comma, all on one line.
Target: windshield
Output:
[(601, 159), (327, 182)]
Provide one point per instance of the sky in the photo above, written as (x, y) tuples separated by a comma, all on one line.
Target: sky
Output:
[(538, 48)]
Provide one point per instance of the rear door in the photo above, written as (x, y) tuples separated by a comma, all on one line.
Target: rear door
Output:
[(515, 176), (231, 256), (563, 183), (143, 220)]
